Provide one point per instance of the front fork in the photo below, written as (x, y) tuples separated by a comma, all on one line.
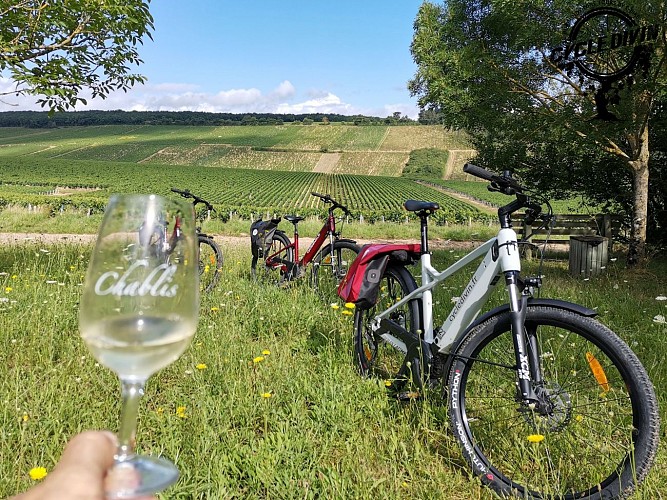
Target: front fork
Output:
[(526, 349)]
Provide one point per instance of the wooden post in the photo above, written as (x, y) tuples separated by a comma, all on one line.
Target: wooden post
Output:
[(527, 229)]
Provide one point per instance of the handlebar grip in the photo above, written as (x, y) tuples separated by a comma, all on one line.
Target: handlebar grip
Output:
[(480, 172)]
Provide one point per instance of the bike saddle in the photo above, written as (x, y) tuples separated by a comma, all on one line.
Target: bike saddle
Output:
[(293, 218), (418, 206)]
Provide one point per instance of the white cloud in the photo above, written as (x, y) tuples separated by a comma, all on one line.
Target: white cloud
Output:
[(284, 98), (330, 103)]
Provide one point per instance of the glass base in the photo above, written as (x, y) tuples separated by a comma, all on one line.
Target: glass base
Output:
[(139, 476)]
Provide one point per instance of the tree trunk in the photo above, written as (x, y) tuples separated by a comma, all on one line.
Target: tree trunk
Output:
[(639, 166)]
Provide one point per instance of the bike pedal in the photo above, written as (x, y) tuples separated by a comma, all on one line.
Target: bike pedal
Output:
[(405, 396)]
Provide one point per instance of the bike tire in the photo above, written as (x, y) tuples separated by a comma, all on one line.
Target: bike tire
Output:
[(598, 434), (210, 263), (329, 268), (280, 268), (373, 355)]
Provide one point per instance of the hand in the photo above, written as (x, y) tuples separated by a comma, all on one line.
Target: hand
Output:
[(81, 473)]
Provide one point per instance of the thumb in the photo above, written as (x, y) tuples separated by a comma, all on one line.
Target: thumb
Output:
[(80, 473), (89, 453)]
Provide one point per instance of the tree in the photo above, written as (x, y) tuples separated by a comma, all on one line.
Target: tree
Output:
[(557, 89), (56, 49)]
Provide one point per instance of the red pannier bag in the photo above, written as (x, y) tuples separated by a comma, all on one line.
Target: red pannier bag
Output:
[(362, 281)]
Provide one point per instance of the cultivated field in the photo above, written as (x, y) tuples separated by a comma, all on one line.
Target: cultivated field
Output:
[(367, 150), (29, 181)]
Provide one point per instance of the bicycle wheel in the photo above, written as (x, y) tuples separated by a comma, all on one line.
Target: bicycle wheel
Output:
[(277, 269), (594, 433), (210, 263), (329, 268), (377, 356)]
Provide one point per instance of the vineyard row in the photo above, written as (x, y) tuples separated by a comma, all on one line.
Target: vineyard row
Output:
[(237, 191)]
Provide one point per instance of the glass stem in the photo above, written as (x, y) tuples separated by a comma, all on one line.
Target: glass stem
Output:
[(131, 392)]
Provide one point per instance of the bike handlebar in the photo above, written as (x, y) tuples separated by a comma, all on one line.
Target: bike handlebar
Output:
[(328, 199), (506, 184), (503, 183), (185, 193)]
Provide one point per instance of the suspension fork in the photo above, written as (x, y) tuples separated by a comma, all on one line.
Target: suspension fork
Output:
[(525, 342)]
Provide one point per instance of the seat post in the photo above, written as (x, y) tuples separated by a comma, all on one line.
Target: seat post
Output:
[(423, 217)]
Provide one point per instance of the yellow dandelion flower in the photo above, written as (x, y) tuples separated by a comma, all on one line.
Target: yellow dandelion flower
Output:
[(579, 418), (180, 412), (387, 383), (347, 313), (201, 366), (535, 438), (213, 309), (8, 289), (335, 306), (266, 352), (159, 410), (14, 276), (37, 473), (258, 359), (349, 305), (267, 395), (25, 417)]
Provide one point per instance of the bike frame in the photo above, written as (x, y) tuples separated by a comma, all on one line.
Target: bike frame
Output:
[(328, 230), (501, 254)]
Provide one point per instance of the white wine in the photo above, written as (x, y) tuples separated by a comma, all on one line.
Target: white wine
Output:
[(135, 347)]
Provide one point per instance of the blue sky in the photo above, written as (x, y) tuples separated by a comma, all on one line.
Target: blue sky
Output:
[(289, 56)]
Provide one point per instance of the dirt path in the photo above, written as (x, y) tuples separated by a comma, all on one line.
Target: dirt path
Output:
[(49, 239), (326, 163)]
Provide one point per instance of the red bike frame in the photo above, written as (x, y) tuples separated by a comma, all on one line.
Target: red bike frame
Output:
[(328, 229)]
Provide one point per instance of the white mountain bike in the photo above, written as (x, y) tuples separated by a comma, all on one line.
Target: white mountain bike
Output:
[(545, 401)]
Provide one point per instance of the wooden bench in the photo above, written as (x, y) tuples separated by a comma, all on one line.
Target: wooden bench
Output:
[(589, 239), (569, 225)]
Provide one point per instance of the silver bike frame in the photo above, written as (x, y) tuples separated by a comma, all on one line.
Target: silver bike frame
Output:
[(501, 254)]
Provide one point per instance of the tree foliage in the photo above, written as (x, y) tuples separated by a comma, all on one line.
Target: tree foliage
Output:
[(56, 49), (426, 163), (489, 66)]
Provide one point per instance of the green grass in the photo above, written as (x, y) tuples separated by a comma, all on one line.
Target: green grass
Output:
[(323, 433), (40, 220)]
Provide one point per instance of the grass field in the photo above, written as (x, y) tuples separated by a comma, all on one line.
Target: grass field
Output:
[(298, 423)]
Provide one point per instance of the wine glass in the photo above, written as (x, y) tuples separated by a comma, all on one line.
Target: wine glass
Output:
[(138, 314)]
